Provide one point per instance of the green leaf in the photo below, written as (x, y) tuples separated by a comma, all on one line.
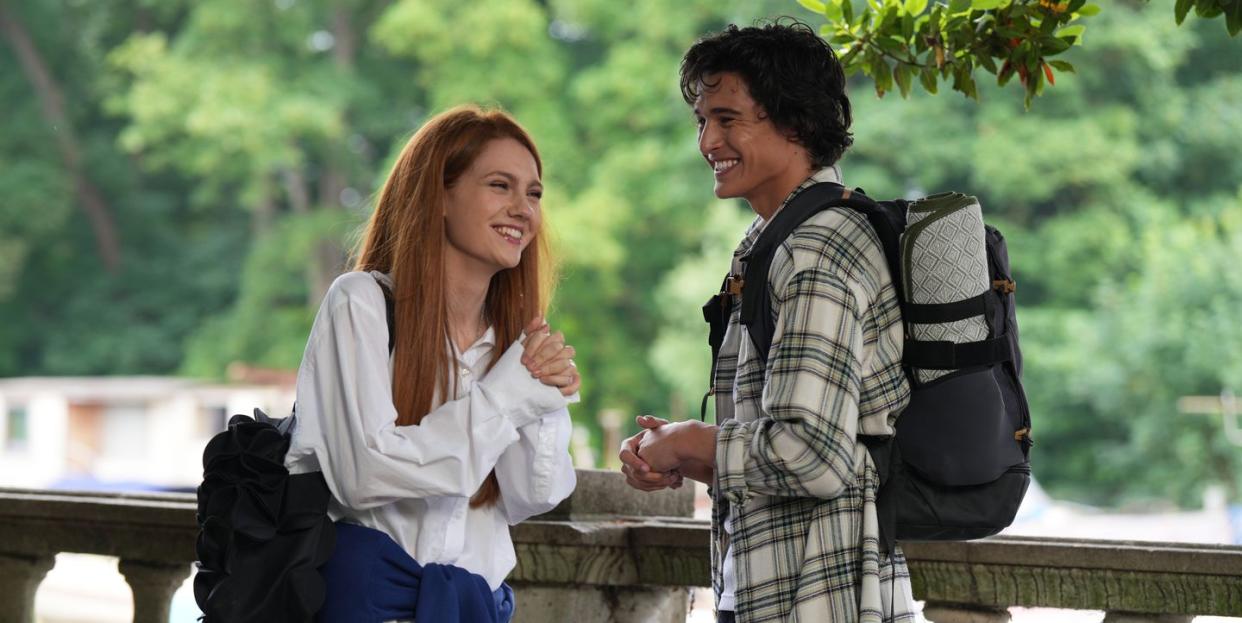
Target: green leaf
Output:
[(1233, 19), (1047, 26), (1072, 31), (815, 6), (895, 47), (928, 78), (832, 11), (1062, 66), (1181, 9), (986, 61), (1089, 10), (880, 72), (986, 5), (1208, 9), (902, 73), (1051, 46), (915, 7), (958, 6)]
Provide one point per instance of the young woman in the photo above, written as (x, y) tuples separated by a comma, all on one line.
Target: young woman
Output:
[(436, 438)]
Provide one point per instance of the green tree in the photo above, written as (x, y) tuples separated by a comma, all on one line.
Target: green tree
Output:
[(105, 269), (235, 147)]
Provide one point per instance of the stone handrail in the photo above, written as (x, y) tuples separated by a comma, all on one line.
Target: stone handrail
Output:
[(597, 553)]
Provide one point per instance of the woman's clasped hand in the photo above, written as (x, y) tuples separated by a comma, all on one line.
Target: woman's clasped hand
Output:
[(549, 358)]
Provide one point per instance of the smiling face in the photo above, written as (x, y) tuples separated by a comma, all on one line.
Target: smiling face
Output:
[(493, 210), (750, 156)]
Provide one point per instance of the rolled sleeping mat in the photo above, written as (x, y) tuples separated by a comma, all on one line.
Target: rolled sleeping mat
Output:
[(944, 260)]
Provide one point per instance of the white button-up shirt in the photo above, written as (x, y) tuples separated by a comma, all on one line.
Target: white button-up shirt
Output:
[(414, 482)]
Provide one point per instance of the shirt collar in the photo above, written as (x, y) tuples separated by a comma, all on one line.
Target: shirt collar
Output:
[(488, 339), (479, 349)]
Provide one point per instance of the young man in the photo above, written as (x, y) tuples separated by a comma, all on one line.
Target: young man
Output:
[(795, 535)]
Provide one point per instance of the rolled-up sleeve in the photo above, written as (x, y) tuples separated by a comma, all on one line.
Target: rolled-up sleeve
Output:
[(804, 443), (346, 416)]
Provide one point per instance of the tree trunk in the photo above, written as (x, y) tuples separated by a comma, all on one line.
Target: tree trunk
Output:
[(264, 214), (329, 257), (52, 106)]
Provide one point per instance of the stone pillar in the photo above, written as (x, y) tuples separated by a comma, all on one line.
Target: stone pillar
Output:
[(1136, 617), (602, 604), (20, 577), (939, 612), (153, 585), (585, 581)]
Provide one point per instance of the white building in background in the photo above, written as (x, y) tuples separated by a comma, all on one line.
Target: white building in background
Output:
[(121, 432)]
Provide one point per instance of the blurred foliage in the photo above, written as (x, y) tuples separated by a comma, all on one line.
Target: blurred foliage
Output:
[(238, 146)]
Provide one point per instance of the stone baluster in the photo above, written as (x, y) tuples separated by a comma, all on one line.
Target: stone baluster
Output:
[(940, 612), (153, 585), (19, 581)]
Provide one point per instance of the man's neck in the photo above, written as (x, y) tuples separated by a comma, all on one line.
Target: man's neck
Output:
[(767, 199)]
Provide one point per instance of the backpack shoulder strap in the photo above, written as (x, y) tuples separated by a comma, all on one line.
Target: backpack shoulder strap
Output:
[(888, 219), (389, 310), (756, 312)]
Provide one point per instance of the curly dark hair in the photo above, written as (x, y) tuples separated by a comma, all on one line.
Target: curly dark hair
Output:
[(790, 71)]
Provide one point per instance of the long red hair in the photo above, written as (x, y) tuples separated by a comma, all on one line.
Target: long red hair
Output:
[(406, 238)]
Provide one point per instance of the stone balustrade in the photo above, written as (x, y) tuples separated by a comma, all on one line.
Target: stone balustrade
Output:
[(613, 554)]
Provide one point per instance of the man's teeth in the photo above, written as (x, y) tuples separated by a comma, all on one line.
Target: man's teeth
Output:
[(510, 232), (724, 165)]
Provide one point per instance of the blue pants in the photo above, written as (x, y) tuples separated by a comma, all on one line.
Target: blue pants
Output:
[(372, 579)]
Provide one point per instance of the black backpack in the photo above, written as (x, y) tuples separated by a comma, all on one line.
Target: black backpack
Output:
[(959, 465), (263, 533)]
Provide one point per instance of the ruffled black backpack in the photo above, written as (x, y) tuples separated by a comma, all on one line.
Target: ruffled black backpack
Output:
[(263, 533)]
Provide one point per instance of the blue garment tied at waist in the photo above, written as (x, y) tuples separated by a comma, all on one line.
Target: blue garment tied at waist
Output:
[(370, 578)]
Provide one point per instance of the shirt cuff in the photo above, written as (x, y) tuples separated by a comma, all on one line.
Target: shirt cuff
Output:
[(732, 448), (521, 397)]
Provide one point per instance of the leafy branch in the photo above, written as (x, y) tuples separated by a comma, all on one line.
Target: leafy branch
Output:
[(897, 41)]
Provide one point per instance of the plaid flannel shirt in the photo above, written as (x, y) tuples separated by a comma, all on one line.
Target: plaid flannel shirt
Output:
[(800, 486)]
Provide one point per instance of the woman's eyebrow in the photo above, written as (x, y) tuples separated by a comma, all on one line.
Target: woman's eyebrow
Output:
[(505, 174), (513, 178)]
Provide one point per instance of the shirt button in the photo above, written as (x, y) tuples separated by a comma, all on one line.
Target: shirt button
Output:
[(465, 371)]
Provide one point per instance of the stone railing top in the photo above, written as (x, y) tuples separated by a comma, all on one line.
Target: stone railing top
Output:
[(1179, 558), (604, 493)]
